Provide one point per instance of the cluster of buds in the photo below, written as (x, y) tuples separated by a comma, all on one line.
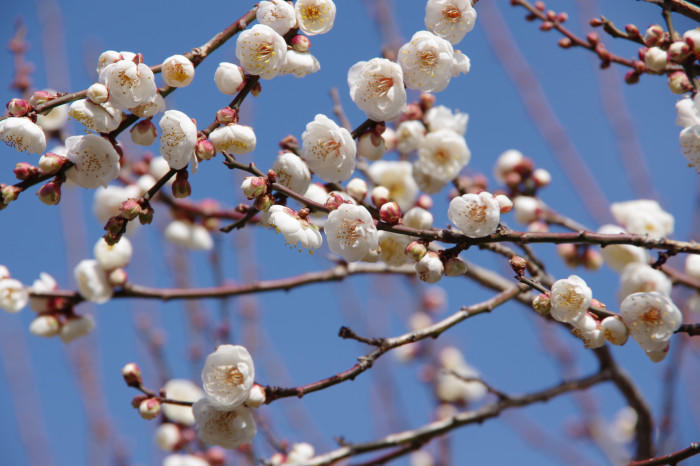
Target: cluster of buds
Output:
[(575, 255), (519, 174), (258, 188)]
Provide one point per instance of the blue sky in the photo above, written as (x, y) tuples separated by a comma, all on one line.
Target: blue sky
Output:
[(296, 340)]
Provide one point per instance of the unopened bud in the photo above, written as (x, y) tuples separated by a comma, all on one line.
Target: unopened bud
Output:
[(455, 267), (181, 186), (46, 325), (115, 225), (137, 400), (39, 98), (631, 77), (216, 456), (427, 100), (50, 163), (149, 408), (390, 212), (592, 259), (143, 133), (416, 250), (632, 30), (18, 107), (301, 43), (518, 264), (226, 115), (98, 93), (9, 193), (334, 200), (593, 38), (678, 51), (130, 209), (263, 202), (146, 215), (118, 277), (653, 35), (380, 195), (542, 304), (562, 17), (565, 43), (546, 26), (412, 112), (569, 253), (271, 176), (371, 146), (254, 186), (50, 193), (425, 201), (256, 397), (541, 177), (357, 188), (504, 203), (290, 143), (256, 90), (205, 149), (24, 171), (132, 375), (679, 83)]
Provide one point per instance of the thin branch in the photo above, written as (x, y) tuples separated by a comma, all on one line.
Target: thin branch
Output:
[(672, 458), (429, 431), (338, 109), (690, 329)]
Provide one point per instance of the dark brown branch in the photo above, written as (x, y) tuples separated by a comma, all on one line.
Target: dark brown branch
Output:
[(672, 458), (690, 329), (682, 7)]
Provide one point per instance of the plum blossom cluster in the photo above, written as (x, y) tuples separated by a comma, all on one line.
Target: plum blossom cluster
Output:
[(650, 317), (98, 277)]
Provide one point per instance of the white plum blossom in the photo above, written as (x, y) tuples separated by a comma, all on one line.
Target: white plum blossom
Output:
[(278, 14), (690, 145), (396, 176), (651, 319), (93, 284), (351, 232), (227, 377), (409, 134), (425, 180), (149, 108), (184, 460), (23, 135), (297, 231), (4, 272), (617, 256), (97, 93), (177, 71), (392, 248), (357, 189), (45, 326), (300, 454), (570, 299), (233, 139), (526, 209), (419, 218), (328, 149), (371, 146), (588, 329), (475, 215), (430, 268), (389, 136), (177, 139), (506, 163), (76, 327), (292, 172), (643, 217), (108, 200), (167, 435), (442, 154), (450, 19), (376, 86), (688, 112), (256, 397), (261, 51), (315, 16), (229, 78), (228, 429), (441, 117), (113, 256), (655, 59), (54, 119), (129, 84), (299, 64), (637, 277), (183, 390), (95, 161), (189, 235), (460, 64), (692, 265), (426, 61), (108, 57), (103, 118), (13, 295)]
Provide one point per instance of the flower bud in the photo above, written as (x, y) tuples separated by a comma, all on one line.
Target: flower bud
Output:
[(518, 264), (149, 408), (256, 397), (177, 71), (357, 188), (39, 98), (226, 115), (416, 250), (18, 107), (132, 375), (263, 203), (44, 326), (425, 202), (130, 209), (289, 143), (50, 163), (632, 30), (380, 195), (146, 215), (254, 186), (181, 186), (390, 212), (371, 145), (136, 401), (615, 330), (24, 171), (678, 51), (679, 83), (655, 59), (50, 193), (505, 203), (430, 268), (542, 304), (334, 200), (565, 43), (455, 267), (143, 133), (592, 259), (167, 436), (118, 277), (301, 43), (9, 193), (569, 253), (205, 149), (653, 35), (98, 93)]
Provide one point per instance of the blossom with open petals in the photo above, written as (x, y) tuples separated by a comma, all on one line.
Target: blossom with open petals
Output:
[(443, 154), (426, 61), (22, 134), (177, 71), (450, 19), (570, 299), (328, 149), (95, 161), (278, 14), (13, 295), (227, 376), (92, 281), (130, 84), (476, 215), (351, 232), (177, 139), (103, 118), (651, 319), (228, 429), (376, 86), (315, 16), (233, 139), (261, 51)]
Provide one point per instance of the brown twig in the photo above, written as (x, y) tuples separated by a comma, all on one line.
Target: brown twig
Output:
[(672, 458)]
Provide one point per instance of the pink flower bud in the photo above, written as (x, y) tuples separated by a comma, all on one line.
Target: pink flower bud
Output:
[(425, 201), (132, 374), (50, 193), (546, 26), (149, 408), (595, 22), (416, 250), (380, 195), (678, 51), (181, 186), (505, 203), (226, 115), (390, 212), (653, 35), (118, 277), (593, 38), (679, 83), (289, 143), (562, 17), (631, 77), (592, 259), (301, 43), (569, 253), (18, 107), (216, 456), (130, 209), (412, 112), (518, 264), (427, 100), (143, 133), (204, 149), (40, 97), (334, 201), (565, 43), (254, 186), (263, 202), (137, 400), (51, 163), (24, 171), (632, 30)]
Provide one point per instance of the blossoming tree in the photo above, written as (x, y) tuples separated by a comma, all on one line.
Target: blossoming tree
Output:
[(462, 242)]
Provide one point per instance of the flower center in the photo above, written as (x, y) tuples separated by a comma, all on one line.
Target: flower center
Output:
[(265, 52), (477, 213), (382, 85), (428, 59), (311, 13), (451, 13), (572, 298), (329, 146), (350, 231), (652, 317)]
